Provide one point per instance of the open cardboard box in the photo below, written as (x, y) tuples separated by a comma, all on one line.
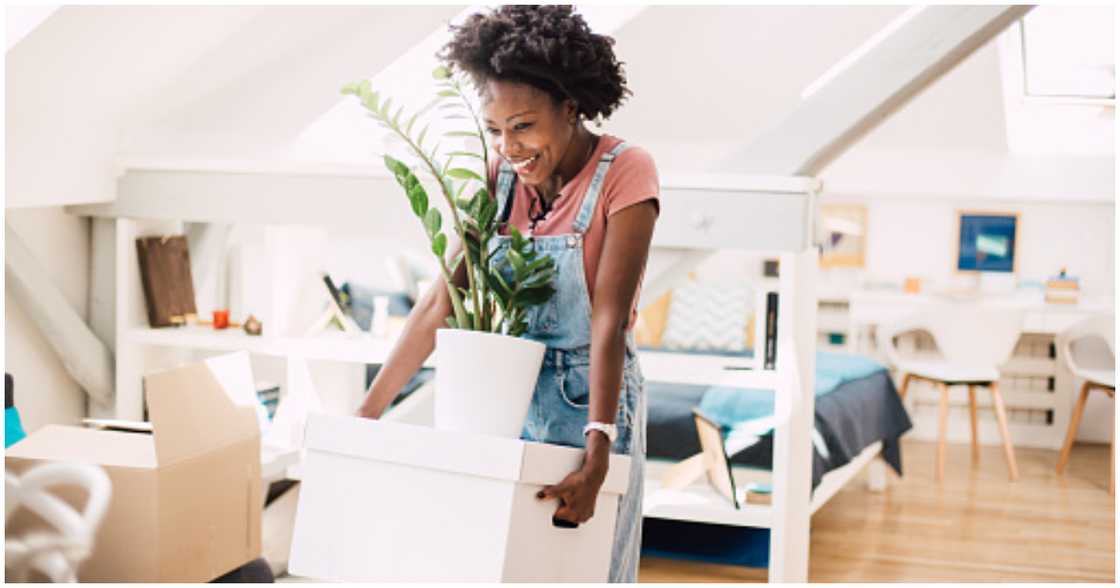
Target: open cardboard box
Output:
[(386, 501), (186, 500)]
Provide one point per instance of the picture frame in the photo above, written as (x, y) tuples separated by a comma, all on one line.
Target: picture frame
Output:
[(986, 241), (843, 235)]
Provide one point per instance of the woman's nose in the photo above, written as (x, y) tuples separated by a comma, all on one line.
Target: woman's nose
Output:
[(503, 145)]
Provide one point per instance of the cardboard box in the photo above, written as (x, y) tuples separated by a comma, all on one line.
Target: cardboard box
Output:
[(393, 502), (186, 502)]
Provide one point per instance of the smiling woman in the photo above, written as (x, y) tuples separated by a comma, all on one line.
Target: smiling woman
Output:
[(590, 203)]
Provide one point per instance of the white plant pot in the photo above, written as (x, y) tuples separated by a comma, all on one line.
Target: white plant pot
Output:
[(484, 381)]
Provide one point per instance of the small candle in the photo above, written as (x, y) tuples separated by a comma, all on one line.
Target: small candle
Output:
[(221, 319)]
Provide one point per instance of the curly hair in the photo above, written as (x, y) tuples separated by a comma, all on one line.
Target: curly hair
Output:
[(548, 47)]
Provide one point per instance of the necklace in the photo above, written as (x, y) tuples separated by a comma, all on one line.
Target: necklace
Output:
[(544, 206)]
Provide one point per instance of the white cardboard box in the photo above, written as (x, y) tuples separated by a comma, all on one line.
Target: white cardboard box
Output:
[(393, 502)]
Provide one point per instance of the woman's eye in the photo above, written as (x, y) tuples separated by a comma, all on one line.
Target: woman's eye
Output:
[(522, 126), (492, 132)]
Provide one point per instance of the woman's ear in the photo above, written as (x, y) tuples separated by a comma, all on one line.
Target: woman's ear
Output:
[(571, 111)]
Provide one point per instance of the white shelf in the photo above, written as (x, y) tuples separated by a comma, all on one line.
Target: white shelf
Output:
[(336, 346), (705, 370)]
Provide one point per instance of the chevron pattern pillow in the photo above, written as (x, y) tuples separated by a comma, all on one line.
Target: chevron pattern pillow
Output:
[(708, 317)]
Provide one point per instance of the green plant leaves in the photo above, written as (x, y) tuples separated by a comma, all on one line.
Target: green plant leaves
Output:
[(464, 174), (432, 221), (439, 244), (501, 292)]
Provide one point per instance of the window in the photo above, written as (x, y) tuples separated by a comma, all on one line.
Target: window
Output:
[(1068, 52)]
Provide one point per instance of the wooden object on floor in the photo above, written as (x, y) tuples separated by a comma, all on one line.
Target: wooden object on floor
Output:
[(943, 421), (1095, 376), (165, 272), (973, 528), (1075, 422)]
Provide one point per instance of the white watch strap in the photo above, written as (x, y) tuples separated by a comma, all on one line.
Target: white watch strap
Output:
[(608, 429)]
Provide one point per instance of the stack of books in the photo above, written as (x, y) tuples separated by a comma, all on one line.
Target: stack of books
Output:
[(1062, 289)]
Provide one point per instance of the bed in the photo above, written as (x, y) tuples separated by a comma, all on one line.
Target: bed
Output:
[(856, 405)]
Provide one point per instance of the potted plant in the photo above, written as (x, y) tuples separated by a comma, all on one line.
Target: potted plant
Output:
[(485, 371)]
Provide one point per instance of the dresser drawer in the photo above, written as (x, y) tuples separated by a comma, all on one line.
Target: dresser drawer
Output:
[(758, 221)]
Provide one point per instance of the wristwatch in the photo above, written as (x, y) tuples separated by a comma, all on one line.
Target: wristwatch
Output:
[(608, 429)]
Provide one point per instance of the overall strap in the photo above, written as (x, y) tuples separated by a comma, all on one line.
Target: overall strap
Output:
[(583, 219), (506, 176)]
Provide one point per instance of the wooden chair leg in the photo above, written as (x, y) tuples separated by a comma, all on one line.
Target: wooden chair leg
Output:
[(942, 430), (1074, 423), (1001, 417), (972, 417), (905, 384)]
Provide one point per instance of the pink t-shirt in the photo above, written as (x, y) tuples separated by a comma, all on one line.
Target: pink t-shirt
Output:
[(631, 178)]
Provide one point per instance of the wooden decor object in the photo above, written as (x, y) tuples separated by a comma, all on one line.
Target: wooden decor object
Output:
[(165, 271)]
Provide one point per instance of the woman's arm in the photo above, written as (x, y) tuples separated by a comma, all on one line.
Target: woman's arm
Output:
[(625, 249), (417, 340)]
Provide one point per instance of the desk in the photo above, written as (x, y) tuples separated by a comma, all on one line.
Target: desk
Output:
[(868, 308), (1023, 374)]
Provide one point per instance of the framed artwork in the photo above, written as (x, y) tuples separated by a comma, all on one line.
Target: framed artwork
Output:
[(844, 229), (987, 241)]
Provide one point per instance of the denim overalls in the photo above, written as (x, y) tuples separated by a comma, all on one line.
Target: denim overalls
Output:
[(559, 408)]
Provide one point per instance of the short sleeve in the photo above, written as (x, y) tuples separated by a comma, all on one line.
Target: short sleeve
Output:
[(632, 179)]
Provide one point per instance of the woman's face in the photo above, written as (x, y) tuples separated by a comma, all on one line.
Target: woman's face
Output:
[(527, 128)]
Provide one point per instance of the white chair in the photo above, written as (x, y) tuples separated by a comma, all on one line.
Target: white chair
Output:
[(1097, 377), (974, 341)]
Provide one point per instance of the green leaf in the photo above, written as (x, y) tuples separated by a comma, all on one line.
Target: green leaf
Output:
[(433, 221), (516, 260), (423, 133), (351, 88), (384, 110), (418, 197), (397, 116), (448, 93), (451, 322), (462, 134), (466, 154), (439, 244), (441, 73), (464, 174)]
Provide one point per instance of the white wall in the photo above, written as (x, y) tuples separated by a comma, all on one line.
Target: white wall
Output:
[(45, 393)]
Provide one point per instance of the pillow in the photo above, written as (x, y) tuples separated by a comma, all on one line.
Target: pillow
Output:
[(651, 322), (708, 317)]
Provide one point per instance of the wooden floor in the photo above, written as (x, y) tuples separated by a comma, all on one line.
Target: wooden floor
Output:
[(975, 526)]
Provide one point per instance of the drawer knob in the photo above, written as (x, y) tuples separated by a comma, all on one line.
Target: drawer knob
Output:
[(701, 221)]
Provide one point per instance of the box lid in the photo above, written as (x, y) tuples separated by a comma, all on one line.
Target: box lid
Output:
[(106, 448), (464, 453), (201, 407)]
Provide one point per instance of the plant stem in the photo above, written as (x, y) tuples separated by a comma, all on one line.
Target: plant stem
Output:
[(458, 228)]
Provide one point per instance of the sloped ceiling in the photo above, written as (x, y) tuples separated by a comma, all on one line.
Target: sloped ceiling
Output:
[(706, 80), (91, 85)]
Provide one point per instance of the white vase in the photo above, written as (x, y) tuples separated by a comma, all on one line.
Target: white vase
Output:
[(484, 381)]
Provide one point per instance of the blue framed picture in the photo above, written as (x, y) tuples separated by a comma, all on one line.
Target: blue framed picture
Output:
[(987, 242)]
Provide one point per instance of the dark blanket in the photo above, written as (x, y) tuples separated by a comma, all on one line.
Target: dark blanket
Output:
[(857, 414)]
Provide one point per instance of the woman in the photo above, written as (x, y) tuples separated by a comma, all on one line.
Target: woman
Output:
[(590, 202)]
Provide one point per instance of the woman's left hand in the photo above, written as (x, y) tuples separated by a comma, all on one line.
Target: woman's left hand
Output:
[(578, 491)]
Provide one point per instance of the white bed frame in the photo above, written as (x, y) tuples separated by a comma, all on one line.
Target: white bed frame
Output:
[(789, 206)]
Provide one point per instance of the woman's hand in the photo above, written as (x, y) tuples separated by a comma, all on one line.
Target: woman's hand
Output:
[(578, 491)]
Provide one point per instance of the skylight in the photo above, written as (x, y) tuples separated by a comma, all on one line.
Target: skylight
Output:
[(1068, 52)]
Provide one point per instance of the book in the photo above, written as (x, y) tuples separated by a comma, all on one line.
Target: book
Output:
[(771, 349), (756, 493), (165, 273)]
